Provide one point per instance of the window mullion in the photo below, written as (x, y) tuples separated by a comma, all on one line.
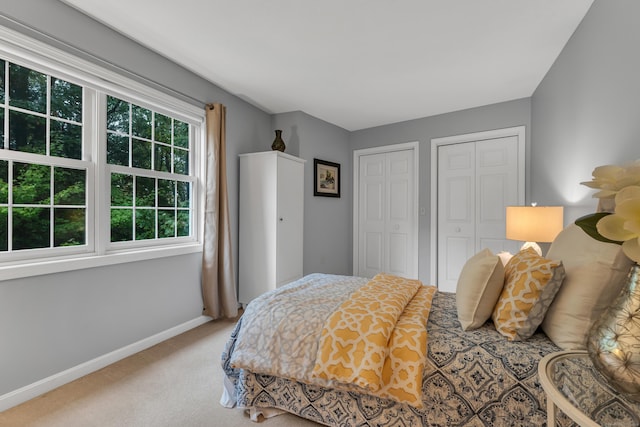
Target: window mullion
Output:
[(10, 207), (47, 143), (100, 181), (52, 225), (47, 150), (5, 124)]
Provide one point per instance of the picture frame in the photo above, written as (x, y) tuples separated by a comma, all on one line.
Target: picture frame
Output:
[(326, 178)]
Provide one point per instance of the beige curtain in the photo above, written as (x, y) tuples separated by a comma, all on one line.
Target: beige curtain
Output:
[(218, 284)]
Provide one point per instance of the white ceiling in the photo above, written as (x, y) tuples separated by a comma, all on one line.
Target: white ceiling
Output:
[(355, 63)]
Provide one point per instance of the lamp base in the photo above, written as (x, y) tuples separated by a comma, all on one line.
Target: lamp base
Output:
[(532, 245)]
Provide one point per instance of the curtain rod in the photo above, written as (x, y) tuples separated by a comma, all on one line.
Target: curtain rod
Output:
[(76, 50)]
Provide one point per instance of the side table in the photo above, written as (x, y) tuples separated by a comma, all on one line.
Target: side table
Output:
[(582, 393)]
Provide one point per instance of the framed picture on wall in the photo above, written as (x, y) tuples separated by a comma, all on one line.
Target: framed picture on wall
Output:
[(326, 178)]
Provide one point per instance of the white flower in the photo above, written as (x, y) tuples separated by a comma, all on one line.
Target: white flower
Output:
[(624, 224), (610, 179)]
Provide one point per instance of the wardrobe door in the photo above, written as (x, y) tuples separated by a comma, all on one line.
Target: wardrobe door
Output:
[(289, 221)]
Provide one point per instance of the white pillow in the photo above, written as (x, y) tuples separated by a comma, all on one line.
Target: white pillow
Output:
[(478, 289), (595, 273)]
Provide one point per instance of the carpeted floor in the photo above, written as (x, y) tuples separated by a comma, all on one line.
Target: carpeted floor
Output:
[(175, 383)]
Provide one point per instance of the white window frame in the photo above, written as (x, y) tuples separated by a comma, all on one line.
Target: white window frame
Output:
[(128, 170), (96, 80)]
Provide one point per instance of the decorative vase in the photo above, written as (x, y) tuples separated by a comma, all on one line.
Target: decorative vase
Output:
[(278, 143), (614, 340)]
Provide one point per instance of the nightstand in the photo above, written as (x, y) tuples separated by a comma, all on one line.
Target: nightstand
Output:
[(582, 393)]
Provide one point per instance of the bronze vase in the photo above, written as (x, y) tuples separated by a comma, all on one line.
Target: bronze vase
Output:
[(614, 340), (278, 143)]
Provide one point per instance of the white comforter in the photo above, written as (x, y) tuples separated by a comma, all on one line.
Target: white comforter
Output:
[(287, 347)]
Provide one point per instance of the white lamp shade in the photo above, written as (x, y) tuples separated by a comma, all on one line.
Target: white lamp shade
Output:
[(534, 223)]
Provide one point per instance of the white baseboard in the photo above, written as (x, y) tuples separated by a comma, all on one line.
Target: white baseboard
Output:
[(30, 391)]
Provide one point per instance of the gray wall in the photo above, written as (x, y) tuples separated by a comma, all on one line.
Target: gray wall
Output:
[(328, 221), (52, 323), (586, 111), (497, 116)]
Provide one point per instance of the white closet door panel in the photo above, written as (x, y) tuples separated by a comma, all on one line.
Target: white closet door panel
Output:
[(398, 209), (374, 198), (398, 261), (401, 214), (492, 192), (373, 243), (400, 173), (496, 245), (459, 250), (372, 215), (373, 166), (459, 209), (458, 157), (456, 211), (497, 188)]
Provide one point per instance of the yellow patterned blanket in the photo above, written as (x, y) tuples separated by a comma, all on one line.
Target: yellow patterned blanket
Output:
[(377, 339)]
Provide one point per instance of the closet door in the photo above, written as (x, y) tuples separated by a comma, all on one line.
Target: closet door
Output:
[(387, 223), (476, 181)]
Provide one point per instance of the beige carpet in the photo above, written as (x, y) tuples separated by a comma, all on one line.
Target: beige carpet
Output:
[(175, 383)]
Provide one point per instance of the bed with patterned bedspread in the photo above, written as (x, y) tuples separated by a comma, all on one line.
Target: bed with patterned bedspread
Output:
[(470, 378)]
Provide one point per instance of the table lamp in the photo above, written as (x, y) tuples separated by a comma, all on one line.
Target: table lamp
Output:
[(533, 224)]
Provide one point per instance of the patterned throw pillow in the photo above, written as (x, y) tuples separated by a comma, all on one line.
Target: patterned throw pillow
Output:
[(531, 283)]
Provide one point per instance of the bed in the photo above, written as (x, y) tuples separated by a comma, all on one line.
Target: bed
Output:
[(473, 377), (470, 378)]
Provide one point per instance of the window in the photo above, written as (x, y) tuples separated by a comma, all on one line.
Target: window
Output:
[(150, 182), (92, 165), (43, 187)]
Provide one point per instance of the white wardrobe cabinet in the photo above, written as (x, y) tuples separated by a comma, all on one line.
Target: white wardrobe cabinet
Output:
[(271, 222)]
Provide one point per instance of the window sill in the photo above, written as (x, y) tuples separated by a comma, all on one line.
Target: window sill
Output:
[(29, 269)]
